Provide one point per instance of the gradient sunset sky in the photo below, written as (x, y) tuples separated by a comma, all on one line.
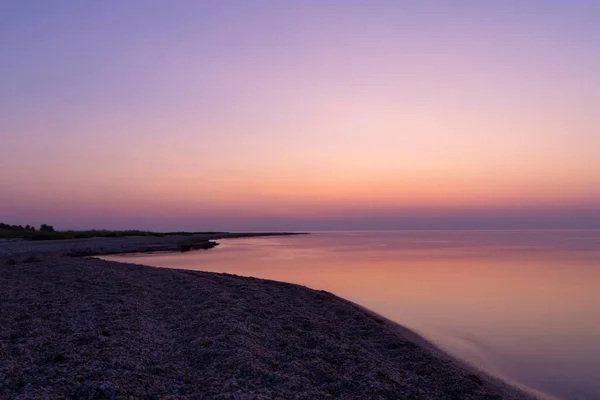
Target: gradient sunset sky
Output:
[(305, 114)]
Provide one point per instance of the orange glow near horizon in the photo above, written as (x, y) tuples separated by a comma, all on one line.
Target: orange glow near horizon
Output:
[(328, 110)]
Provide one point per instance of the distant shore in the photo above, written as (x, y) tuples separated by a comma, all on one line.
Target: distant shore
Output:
[(128, 244), (80, 327)]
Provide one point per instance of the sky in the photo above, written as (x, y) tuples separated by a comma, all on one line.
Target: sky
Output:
[(312, 114)]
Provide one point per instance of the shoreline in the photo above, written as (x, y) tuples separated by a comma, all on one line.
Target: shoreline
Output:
[(89, 328), (99, 246)]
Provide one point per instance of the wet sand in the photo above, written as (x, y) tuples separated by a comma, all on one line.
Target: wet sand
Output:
[(86, 328)]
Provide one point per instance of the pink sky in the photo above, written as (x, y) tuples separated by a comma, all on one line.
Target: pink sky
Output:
[(300, 115)]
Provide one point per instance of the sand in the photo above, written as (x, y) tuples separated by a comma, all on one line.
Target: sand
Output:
[(85, 328)]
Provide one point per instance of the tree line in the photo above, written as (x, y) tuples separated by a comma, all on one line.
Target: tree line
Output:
[(27, 228)]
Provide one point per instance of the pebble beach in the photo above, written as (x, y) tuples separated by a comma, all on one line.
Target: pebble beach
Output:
[(86, 328)]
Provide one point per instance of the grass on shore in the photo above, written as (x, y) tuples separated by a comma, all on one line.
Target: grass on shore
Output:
[(47, 232)]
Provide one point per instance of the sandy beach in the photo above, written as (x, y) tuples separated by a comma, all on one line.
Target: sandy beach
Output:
[(85, 328)]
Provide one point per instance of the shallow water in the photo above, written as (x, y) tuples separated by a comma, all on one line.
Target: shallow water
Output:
[(524, 305)]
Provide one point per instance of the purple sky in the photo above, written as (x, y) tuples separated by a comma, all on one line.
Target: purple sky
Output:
[(252, 115)]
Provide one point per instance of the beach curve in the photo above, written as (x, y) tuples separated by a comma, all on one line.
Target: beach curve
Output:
[(89, 328)]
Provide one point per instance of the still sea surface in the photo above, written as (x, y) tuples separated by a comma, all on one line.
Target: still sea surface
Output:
[(523, 305)]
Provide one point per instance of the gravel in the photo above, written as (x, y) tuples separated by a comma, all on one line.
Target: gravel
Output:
[(85, 328)]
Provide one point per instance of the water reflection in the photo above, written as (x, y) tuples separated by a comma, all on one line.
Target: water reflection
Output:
[(524, 305)]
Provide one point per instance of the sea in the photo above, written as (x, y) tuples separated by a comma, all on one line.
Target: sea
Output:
[(521, 305)]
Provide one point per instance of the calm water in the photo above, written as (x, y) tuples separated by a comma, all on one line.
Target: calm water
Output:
[(524, 305)]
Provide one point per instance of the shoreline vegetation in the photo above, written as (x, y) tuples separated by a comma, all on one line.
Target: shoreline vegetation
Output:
[(47, 232), (86, 328)]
